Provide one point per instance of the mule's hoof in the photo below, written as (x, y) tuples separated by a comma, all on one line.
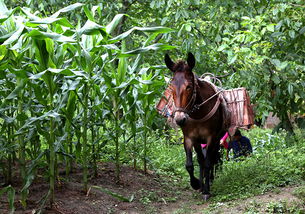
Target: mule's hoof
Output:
[(195, 184), (206, 197)]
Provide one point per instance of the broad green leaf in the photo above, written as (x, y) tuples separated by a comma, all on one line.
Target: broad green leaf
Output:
[(29, 179), (188, 28), (6, 36), (157, 46), (111, 46), (292, 34), (5, 14), (222, 47), (142, 29), (67, 9), (14, 36), (270, 27), (91, 28), (276, 79), (50, 20), (276, 62), (3, 8), (32, 120), (29, 14), (2, 51), (276, 34), (88, 13), (232, 59), (17, 90), (114, 23), (37, 76), (146, 82), (283, 65), (20, 73), (122, 85), (54, 36), (71, 106), (290, 89), (66, 72)]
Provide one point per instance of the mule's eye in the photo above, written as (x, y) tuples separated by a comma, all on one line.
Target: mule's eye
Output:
[(188, 87)]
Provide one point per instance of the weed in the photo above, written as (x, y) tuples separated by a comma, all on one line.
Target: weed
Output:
[(148, 197), (276, 207), (300, 193), (252, 207)]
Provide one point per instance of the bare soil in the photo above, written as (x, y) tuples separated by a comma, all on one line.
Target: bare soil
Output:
[(149, 193)]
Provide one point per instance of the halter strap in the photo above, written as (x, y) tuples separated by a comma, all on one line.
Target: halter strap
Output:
[(196, 107), (190, 103), (210, 114)]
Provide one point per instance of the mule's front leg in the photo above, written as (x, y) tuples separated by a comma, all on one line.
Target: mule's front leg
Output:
[(188, 145)]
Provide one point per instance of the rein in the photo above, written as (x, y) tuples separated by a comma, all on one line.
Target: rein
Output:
[(196, 107)]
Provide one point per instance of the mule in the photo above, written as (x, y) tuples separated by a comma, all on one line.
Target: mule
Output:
[(198, 111)]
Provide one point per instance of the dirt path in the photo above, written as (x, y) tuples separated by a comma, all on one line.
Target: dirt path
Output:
[(148, 193), (281, 200)]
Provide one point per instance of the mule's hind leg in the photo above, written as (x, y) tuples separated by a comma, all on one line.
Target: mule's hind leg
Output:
[(207, 172), (207, 167), (200, 159)]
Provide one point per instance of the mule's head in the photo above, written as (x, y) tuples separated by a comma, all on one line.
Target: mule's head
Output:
[(183, 87)]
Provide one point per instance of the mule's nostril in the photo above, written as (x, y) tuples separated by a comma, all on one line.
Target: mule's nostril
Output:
[(181, 122)]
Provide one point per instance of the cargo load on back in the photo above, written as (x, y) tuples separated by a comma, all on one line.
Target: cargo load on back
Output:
[(236, 101)]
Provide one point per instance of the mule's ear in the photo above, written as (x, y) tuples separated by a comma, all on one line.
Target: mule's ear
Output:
[(169, 63), (191, 60)]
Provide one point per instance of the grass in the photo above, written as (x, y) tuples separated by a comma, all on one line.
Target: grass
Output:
[(277, 161)]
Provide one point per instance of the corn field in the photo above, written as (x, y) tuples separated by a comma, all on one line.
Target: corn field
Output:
[(68, 89)]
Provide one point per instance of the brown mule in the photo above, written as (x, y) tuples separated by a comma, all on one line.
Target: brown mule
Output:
[(198, 112)]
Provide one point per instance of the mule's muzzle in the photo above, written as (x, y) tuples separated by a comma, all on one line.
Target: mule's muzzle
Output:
[(181, 122), (180, 118)]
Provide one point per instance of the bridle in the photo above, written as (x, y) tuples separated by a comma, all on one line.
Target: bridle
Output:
[(195, 107), (190, 103)]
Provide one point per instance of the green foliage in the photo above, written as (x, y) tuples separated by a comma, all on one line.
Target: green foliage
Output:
[(273, 164), (79, 80)]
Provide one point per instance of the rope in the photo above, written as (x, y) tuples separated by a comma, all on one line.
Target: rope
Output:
[(211, 97)]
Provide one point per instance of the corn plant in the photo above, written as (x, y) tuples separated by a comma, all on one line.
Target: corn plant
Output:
[(62, 83)]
